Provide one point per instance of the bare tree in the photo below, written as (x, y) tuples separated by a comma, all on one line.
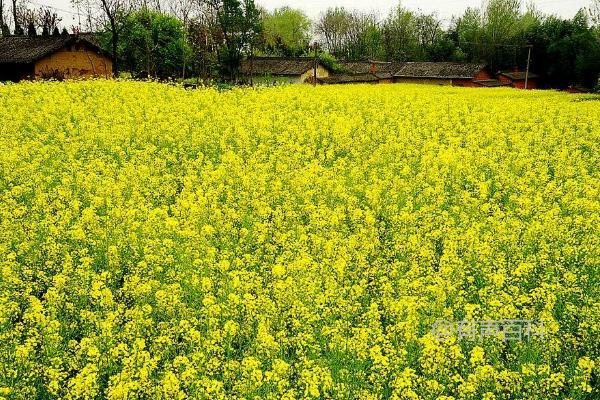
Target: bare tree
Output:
[(47, 20), (333, 27), (15, 11), (399, 31), (115, 13), (363, 39), (594, 13), (2, 31), (183, 9), (204, 37), (27, 18)]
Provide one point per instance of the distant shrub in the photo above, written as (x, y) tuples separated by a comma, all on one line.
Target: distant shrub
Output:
[(331, 63)]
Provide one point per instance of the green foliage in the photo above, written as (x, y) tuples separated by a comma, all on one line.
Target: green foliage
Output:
[(329, 61), (286, 31), (151, 44), (400, 37), (240, 26), (565, 51)]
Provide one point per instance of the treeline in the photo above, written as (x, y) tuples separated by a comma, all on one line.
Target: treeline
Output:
[(563, 51), (210, 38)]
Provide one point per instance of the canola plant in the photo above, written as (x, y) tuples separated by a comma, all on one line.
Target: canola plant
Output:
[(296, 242)]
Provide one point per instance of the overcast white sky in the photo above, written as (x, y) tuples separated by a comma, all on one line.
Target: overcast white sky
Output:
[(444, 8)]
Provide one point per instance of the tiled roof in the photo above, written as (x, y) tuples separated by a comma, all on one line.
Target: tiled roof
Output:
[(491, 83), (277, 65), (349, 78), (24, 49), (442, 70), (365, 67), (519, 75)]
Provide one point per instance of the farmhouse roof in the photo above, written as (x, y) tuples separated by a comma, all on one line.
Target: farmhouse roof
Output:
[(442, 70), (370, 66), (518, 75), (277, 65), (27, 49), (349, 78), (491, 83)]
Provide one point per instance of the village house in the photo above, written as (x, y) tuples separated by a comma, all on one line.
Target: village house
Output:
[(442, 73), (301, 70), (337, 79), (282, 70), (23, 57), (434, 73), (516, 79), (364, 72)]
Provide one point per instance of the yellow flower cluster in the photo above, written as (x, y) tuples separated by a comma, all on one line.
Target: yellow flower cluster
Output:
[(296, 242)]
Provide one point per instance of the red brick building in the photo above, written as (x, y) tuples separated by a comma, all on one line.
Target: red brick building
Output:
[(516, 79), (442, 73)]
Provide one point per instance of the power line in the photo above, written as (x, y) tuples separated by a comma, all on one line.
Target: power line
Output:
[(56, 8)]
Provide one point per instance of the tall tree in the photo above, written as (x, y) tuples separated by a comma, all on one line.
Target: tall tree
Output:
[(594, 13), (17, 22), (332, 27), (240, 26), (183, 9), (204, 38), (364, 37), (400, 38), (428, 32), (154, 43), (286, 31), (115, 13), (47, 20), (2, 23)]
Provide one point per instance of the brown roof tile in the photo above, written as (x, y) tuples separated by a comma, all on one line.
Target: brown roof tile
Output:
[(442, 70), (277, 65), (24, 49), (365, 67), (519, 75), (491, 83), (349, 78)]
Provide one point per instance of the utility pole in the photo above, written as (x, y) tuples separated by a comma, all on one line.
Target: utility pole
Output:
[(316, 61), (528, 61)]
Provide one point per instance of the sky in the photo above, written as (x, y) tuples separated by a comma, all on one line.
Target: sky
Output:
[(444, 8)]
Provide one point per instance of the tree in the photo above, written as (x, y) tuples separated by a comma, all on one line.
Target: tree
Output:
[(364, 37), (240, 26), (27, 18), (153, 43), (429, 35), (333, 27), (565, 52), (183, 10), (594, 13), (48, 20), (3, 30), (468, 34), (31, 31), (204, 37), (400, 34), (286, 31), (115, 13), (18, 28)]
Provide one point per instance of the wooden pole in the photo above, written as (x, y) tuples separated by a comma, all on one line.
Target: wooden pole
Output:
[(528, 60), (315, 67)]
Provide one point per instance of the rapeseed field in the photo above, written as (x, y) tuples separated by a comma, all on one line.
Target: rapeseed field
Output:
[(296, 242)]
